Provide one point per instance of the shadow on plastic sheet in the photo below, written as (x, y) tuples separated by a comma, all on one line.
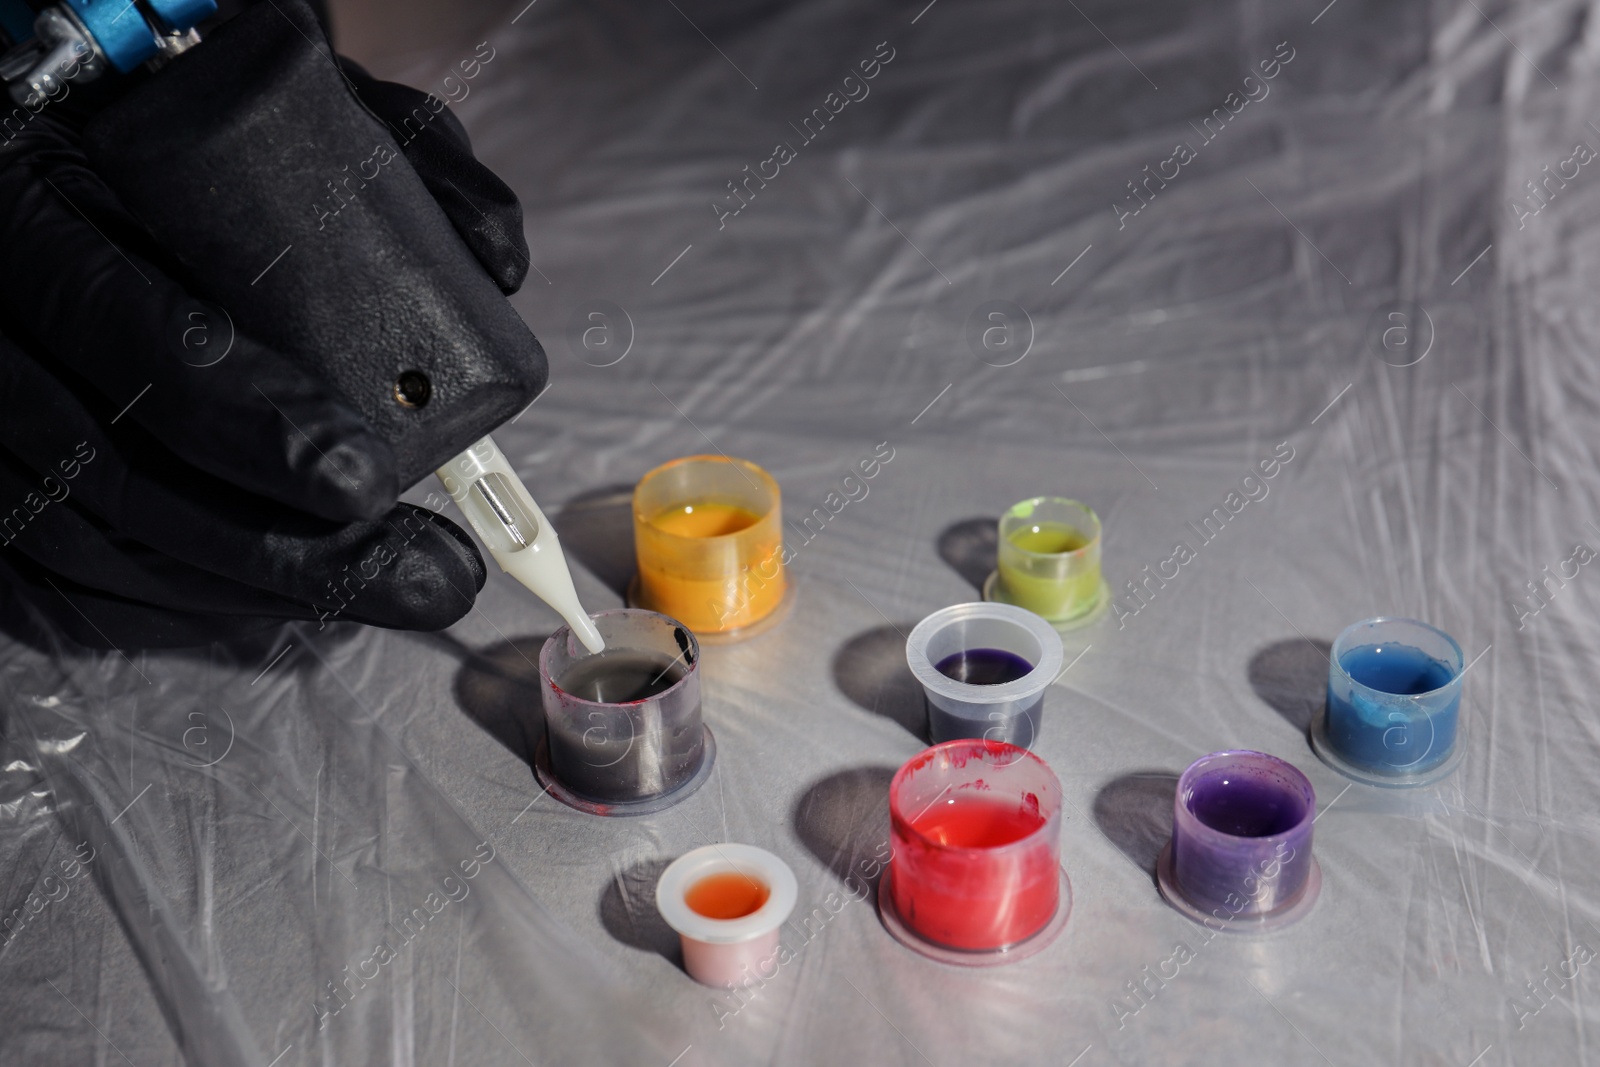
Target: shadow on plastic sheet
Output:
[(1135, 812), (596, 529), (871, 670), (1292, 677), (628, 910), (971, 547), (498, 688), (843, 820)]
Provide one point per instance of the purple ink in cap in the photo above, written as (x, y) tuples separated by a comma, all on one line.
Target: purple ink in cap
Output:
[(984, 670), (1240, 855)]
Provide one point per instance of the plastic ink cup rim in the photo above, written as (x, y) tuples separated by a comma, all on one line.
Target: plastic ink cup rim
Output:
[(690, 657), (1204, 871), (688, 869), (1068, 588), (971, 904), (570, 754), (768, 484), (1034, 502), (940, 754), (1345, 642), (1411, 708), (1195, 826), (725, 586), (1046, 665)]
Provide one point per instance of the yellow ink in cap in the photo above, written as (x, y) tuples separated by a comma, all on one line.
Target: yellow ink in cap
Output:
[(709, 538)]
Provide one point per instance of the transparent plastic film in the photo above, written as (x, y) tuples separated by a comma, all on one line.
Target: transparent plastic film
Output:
[(189, 824)]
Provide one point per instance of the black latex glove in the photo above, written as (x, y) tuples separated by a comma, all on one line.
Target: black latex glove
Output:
[(154, 494)]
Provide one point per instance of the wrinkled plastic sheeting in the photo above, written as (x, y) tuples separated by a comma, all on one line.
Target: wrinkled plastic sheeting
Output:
[(292, 889), (1245, 307)]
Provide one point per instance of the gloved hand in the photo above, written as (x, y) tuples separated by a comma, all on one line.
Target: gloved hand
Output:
[(156, 490)]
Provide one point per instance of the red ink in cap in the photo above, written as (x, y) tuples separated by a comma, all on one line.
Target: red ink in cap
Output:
[(976, 877)]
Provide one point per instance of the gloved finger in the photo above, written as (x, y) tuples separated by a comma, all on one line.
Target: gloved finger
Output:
[(38, 605), (47, 527), (481, 207), (223, 402), (34, 604), (410, 570), (70, 546)]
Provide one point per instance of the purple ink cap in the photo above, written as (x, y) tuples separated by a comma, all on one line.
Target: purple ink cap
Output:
[(1240, 855), (962, 705)]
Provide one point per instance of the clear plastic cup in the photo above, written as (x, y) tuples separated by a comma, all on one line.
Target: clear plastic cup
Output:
[(976, 876), (708, 532), (623, 729), (1394, 699), (1049, 561), (975, 640), (727, 951), (1240, 855)]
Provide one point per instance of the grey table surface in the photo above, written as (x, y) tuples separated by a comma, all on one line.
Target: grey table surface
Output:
[(204, 847)]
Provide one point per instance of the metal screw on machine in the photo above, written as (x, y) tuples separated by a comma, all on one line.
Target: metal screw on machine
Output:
[(412, 389), (77, 39)]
